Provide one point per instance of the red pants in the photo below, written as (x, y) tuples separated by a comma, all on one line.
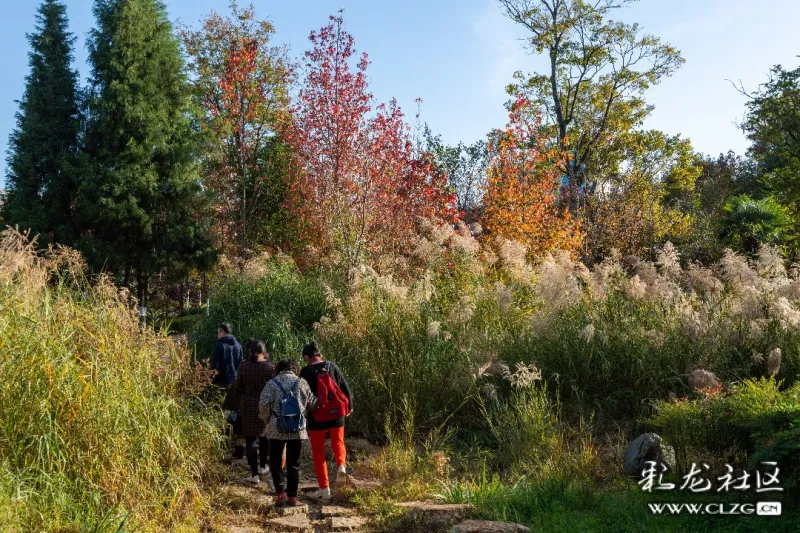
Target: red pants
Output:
[(317, 439)]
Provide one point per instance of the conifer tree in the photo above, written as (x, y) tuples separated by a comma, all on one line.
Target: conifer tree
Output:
[(141, 198), (43, 149)]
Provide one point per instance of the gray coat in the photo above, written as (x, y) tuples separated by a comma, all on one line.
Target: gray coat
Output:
[(269, 404)]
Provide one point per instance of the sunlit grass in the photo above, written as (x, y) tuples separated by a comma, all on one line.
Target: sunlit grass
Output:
[(97, 431)]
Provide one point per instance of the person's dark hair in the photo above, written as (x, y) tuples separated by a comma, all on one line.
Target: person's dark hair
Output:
[(310, 350), (287, 364), (256, 347), (225, 327)]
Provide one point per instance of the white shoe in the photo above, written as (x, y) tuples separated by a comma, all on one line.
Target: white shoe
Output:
[(322, 494), (341, 476), (254, 480), (263, 471)]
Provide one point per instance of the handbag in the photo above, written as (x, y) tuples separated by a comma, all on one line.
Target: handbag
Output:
[(232, 399)]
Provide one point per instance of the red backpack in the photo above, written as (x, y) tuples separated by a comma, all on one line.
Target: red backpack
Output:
[(331, 401)]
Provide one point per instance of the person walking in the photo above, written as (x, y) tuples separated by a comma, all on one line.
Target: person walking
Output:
[(334, 403), (284, 402), (225, 360), (253, 375), (227, 357)]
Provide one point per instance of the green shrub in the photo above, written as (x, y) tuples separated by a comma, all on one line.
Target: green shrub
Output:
[(754, 422), (98, 427)]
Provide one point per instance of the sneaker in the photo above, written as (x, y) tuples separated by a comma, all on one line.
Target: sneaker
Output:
[(322, 494), (280, 499), (263, 470), (292, 502), (341, 476), (253, 480)]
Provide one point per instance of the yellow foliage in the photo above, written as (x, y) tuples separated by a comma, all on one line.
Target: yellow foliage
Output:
[(522, 193)]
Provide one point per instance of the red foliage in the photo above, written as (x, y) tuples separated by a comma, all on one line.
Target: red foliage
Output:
[(359, 185), (240, 80)]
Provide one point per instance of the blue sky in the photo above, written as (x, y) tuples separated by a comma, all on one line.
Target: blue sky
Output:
[(458, 55)]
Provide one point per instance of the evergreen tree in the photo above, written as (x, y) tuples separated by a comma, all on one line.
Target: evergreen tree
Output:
[(141, 198), (43, 148)]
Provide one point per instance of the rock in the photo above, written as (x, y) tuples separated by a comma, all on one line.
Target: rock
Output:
[(298, 522), (432, 517), (329, 511), (487, 526), (646, 447), (290, 511), (306, 487), (242, 529), (347, 523)]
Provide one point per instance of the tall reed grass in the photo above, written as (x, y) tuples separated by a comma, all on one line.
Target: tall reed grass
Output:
[(438, 344), (269, 299), (98, 429)]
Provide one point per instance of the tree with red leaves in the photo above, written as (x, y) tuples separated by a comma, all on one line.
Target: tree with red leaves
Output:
[(240, 80), (359, 186)]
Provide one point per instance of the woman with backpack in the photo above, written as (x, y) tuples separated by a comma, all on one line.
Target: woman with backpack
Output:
[(254, 373), (334, 403), (283, 404)]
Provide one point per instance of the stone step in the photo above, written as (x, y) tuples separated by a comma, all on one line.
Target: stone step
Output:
[(346, 523), (330, 511), (283, 510), (294, 523), (434, 517), (487, 526), (362, 484)]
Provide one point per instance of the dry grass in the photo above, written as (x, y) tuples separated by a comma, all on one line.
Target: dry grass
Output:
[(97, 430)]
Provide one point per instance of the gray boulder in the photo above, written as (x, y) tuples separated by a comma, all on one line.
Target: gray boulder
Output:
[(647, 447)]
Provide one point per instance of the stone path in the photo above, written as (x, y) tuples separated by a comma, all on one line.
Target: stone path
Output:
[(247, 508), (252, 510)]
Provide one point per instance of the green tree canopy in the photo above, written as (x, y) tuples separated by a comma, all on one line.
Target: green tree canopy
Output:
[(465, 166), (43, 149), (141, 200), (773, 125), (748, 224), (599, 69)]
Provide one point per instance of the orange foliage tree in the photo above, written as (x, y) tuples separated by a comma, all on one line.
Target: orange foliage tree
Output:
[(521, 200), (240, 82)]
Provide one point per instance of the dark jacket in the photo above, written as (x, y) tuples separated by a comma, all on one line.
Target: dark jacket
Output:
[(309, 373), (226, 359), (250, 380)]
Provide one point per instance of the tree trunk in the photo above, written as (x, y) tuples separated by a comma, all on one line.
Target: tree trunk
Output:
[(141, 295), (203, 291)]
